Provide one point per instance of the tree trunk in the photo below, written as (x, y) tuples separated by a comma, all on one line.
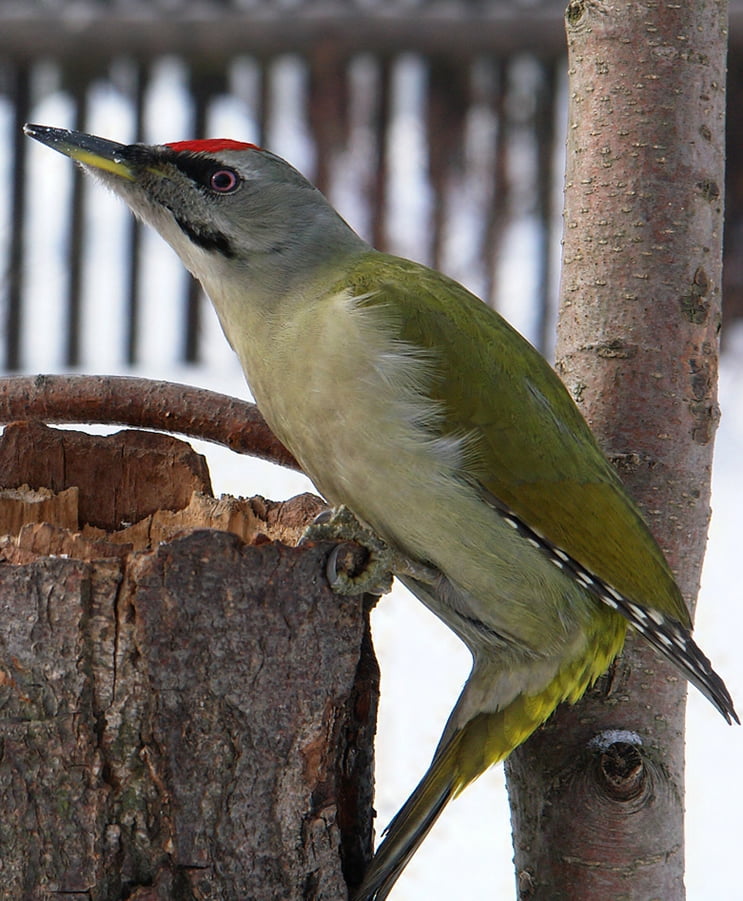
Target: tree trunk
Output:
[(597, 795), (183, 714)]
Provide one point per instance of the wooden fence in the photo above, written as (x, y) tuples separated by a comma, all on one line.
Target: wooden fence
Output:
[(437, 129)]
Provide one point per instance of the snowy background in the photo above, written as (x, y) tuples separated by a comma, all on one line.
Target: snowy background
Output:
[(468, 855)]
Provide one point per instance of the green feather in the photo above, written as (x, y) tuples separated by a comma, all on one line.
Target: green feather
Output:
[(530, 447)]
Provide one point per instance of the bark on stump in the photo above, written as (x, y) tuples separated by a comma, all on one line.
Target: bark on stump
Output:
[(184, 711)]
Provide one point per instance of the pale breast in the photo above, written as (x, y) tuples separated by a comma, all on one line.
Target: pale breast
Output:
[(349, 400)]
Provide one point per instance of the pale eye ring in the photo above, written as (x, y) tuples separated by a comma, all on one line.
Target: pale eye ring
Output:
[(224, 181)]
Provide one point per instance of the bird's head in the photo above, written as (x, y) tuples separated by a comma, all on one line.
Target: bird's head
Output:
[(229, 209)]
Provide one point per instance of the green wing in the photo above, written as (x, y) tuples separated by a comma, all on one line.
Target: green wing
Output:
[(531, 447)]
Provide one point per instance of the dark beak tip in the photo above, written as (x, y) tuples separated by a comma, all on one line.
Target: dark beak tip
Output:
[(45, 133), (76, 144)]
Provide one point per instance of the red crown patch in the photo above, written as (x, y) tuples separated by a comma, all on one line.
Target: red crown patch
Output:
[(211, 145)]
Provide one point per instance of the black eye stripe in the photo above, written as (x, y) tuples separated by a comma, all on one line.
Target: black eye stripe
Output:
[(201, 169)]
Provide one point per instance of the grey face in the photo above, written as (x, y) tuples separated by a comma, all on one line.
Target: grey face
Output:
[(226, 198)]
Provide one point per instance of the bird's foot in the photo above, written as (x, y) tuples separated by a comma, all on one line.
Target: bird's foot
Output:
[(361, 563)]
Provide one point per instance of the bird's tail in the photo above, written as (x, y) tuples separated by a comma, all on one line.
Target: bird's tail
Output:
[(411, 825), (462, 756), (474, 739)]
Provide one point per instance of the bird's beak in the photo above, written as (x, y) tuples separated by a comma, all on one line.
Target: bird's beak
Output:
[(86, 149)]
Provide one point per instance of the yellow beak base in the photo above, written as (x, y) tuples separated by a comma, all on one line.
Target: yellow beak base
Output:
[(86, 149), (98, 162)]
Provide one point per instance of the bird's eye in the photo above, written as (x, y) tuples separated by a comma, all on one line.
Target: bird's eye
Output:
[(223, 181)]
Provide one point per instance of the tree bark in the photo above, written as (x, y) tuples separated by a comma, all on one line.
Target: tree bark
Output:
[(183, 714), (597, 795)]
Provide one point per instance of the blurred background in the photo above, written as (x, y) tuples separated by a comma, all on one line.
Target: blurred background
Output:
[(437, 129)]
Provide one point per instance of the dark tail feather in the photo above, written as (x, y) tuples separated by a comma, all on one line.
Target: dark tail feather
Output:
[(410, 826)]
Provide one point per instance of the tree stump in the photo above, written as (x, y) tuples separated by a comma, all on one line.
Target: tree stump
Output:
[(186, 708)]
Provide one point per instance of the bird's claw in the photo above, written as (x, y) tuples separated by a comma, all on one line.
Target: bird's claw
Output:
[(362, 563), (347, 574)]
